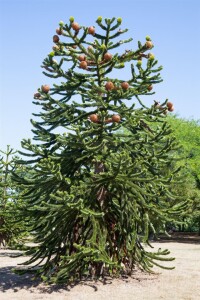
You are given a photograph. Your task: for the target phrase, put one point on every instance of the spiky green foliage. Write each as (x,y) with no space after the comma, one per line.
(11,232)
(92,196)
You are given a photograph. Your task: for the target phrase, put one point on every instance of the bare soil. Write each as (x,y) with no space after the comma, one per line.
(182,283)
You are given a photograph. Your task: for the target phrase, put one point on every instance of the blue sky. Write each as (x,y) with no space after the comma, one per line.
(27,27)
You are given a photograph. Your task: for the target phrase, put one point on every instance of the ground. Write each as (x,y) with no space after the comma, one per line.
(182,283)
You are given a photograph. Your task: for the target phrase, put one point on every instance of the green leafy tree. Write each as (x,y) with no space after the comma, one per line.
(92,197)
(187,133)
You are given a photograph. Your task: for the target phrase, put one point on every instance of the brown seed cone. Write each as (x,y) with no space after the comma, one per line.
(75,26)
(169,105)
(150,87)
(125,85)
(171,109)
(116,118)
(109,86)
(107,56)
(81,57)
(94,118)
(59,31)
(56,38)
(91,30)
(45,88)
(83,65)
(36,95)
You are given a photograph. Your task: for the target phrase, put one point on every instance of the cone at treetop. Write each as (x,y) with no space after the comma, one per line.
(95,193)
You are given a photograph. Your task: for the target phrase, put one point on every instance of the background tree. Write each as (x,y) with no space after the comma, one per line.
(92,197)
(11,232)
(187,157)
(187,133)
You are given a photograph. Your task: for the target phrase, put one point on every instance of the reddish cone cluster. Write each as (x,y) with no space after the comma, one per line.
(107,57)
(76,27)
(110,86)
(95,119)
(44,88)
(170,107)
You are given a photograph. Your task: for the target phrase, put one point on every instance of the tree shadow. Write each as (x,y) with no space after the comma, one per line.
(15,282)
(179,237)
(10,254)
(9,280)
(12,281)
(181,241)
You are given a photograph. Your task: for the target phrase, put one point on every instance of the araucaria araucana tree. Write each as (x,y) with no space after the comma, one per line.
(92,196)
(11,231)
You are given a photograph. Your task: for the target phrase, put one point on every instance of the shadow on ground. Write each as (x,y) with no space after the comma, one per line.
(11,281)
(180,237)
(10,254)
(15,282)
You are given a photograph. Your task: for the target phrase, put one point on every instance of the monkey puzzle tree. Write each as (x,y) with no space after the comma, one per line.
(91,195)
(10,230)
